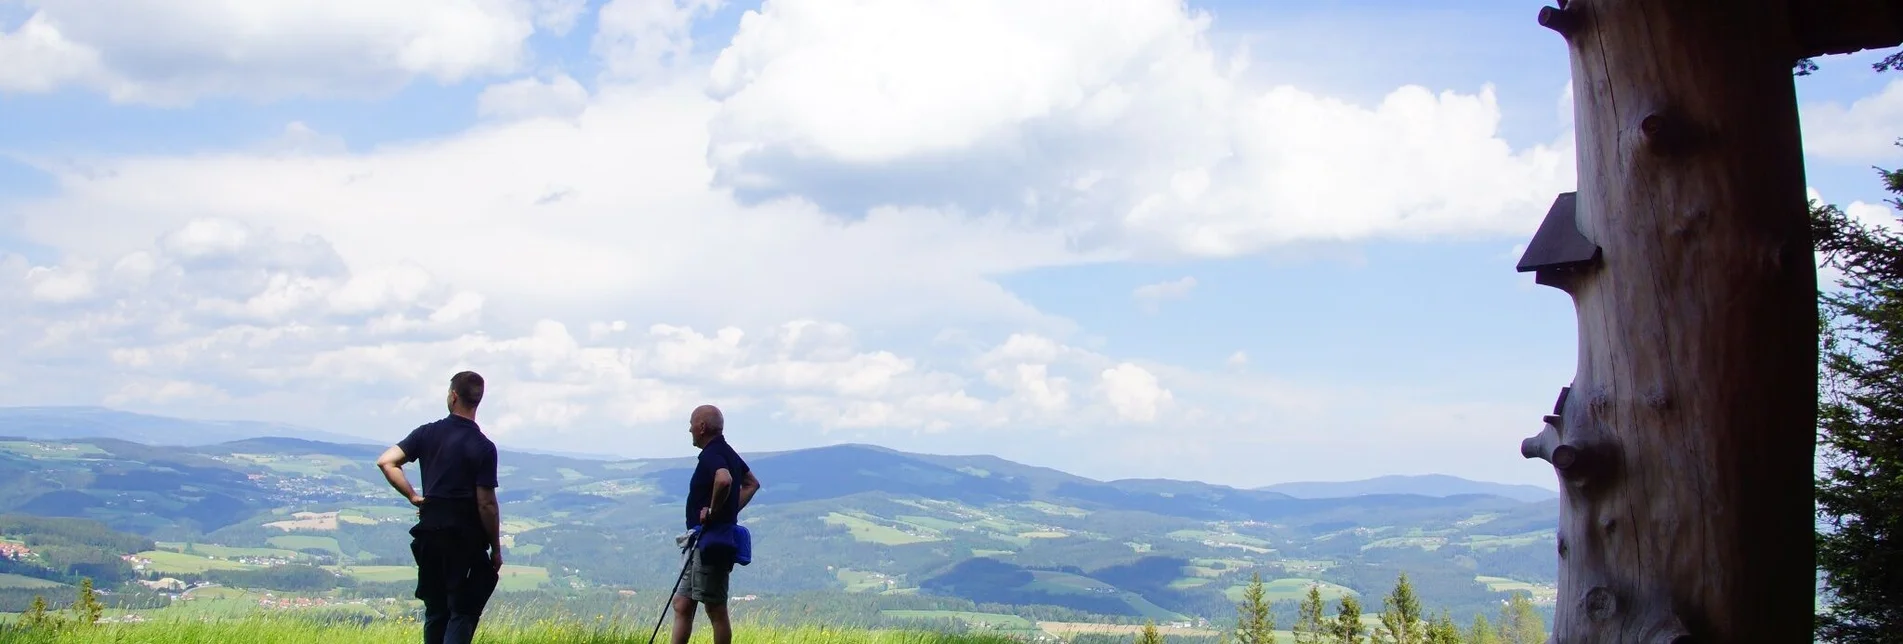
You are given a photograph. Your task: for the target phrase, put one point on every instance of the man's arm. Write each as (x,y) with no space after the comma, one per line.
(747,488)
(391,462)
(491,522)
(488,507)
(723,481)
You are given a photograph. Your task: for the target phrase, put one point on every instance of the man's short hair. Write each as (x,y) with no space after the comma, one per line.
(468,388)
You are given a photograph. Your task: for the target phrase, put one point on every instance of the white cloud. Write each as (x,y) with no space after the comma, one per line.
(148,51)
(642,37)
(1134,392)
(558,97)
(1149,296)
(1238,360)
(1864,132)
(605,271)
(1114,121)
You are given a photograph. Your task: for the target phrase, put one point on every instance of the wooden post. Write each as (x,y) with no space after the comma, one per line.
(1685,443)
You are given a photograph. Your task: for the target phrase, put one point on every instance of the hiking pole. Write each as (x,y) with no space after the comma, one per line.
(669,600)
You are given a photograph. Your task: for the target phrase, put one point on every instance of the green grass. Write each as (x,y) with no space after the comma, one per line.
(21,581)
(290,630)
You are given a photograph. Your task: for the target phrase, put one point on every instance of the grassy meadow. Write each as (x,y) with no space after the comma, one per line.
(272,630)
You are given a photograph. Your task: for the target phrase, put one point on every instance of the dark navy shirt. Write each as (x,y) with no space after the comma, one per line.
(716,455)
(456,459)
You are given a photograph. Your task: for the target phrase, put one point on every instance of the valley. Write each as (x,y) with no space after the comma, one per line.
(852,532)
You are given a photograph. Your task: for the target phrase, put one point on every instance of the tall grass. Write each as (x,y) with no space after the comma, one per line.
(292,630)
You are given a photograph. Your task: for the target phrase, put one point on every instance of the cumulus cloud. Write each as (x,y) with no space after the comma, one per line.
(642,37)
(170,53)
(558,97)
(1116,121)
(762,237)
(1149,296)
(1866,131)
(1134,392)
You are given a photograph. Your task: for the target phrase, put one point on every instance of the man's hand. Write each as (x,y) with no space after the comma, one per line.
(703,515)
(417,500)
(495,557)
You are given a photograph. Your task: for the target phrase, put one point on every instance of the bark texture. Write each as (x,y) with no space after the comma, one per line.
(1687,436)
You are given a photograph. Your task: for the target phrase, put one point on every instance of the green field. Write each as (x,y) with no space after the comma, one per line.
(869,532)
(300,542)
(177,562)
(228,552)
(285,630)
(859,581)
(52,451)
(1489,541)
(1291,589)
(988,620)
(21,581)
(513,577)
(1502,585)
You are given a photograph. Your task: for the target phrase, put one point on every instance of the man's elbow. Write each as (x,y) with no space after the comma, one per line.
(486,497)
(391,458)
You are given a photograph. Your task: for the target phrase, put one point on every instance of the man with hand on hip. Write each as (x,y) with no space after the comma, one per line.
(457,539)
(713,508)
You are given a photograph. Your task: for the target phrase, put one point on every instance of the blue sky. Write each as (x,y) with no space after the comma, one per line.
(1242,242)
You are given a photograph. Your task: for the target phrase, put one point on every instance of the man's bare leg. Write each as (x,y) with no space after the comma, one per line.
(723,630)
(684,619)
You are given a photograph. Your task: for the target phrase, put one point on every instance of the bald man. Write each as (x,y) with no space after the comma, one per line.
(714,509)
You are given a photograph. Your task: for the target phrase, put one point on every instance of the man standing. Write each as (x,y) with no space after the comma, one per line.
(715,510)
(457,539)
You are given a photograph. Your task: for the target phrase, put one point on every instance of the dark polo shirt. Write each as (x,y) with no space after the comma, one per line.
(456,458)
(716,455)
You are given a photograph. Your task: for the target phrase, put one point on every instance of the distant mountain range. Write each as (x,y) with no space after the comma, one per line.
(1424,485)
(65,423)
(62,423)
(854,518)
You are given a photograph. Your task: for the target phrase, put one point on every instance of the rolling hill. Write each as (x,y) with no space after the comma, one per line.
(842,518)
(1424,485)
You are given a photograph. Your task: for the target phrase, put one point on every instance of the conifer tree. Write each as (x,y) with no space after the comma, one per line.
(1401,616)
(1255,624)
(87,609)
(1309,627)
(1150,634)
(1482,632)
(1348,628)
(1860,426)
(1520,623)
(1443,630)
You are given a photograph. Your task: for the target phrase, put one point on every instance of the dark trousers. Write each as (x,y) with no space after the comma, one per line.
(454,580)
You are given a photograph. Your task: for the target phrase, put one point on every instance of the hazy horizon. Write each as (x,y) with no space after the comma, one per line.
(1257,242)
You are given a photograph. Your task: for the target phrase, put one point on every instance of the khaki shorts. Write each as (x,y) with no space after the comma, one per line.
(704,578)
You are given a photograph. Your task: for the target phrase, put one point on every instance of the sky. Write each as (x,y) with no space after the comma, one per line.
(1236,242)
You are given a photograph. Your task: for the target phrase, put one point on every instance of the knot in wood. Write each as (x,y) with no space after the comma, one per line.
(1601,603)
(1666,133)
(1560,19)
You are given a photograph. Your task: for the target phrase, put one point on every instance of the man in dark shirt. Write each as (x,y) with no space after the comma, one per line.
(715,510)
(457,538)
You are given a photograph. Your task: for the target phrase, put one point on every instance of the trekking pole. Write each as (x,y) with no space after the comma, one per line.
(668,602)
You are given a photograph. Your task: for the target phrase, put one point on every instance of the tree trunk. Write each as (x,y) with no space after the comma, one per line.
(1685,445)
